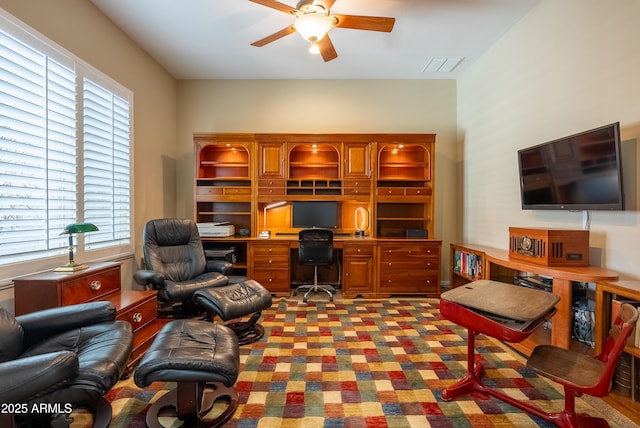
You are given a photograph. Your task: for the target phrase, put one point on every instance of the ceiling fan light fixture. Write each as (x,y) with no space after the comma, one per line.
(314,48)
(313,26)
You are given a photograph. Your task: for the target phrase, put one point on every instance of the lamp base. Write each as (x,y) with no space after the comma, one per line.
(70,268)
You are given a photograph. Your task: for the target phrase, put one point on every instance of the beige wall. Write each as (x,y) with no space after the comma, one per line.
(410,106)
(80,28)
(568,66)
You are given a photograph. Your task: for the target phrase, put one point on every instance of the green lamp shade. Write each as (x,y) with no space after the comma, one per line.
(70,230)
(79,228)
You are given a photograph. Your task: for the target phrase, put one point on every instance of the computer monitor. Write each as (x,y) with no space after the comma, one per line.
(308,214)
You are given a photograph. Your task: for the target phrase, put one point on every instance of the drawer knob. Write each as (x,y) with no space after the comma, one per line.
(137,317)
(95,285)
(358,249)
(418,192)
(270,261)
(270,279)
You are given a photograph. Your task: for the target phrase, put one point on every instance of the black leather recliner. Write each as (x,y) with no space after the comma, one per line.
(176,265)
(54,360)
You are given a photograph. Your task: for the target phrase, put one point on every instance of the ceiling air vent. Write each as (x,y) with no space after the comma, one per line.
(441,64)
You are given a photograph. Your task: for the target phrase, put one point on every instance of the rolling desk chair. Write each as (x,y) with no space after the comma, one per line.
(315,248)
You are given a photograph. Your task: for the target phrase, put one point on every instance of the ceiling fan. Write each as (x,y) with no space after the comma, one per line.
(314,20)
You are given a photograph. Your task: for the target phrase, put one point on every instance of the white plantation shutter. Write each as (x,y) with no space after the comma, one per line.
(106,165)
(37,151)
(65,155)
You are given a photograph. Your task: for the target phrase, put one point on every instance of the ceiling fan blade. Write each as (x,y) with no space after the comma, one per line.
(371,23)
(326,3)
(327,50)
(275,36)
(273,4)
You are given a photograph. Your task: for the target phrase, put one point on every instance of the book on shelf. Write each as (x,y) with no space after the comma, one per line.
(467,263)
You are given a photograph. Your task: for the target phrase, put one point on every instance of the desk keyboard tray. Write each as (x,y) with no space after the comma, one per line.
(504,300)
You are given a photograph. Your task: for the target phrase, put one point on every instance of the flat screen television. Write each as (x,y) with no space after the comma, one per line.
(308,214)
(578,172)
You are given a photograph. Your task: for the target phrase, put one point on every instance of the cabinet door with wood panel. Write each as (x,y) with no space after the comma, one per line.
(357,160)
(359,268)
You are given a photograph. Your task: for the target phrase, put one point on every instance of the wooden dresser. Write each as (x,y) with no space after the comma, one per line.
(101,281)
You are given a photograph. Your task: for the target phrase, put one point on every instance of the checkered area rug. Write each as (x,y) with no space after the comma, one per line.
(362,363)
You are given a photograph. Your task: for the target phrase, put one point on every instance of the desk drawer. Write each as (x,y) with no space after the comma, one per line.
(397,252)
(90,287)
(208,191)
(418,265)
(408,282)
(270,262)
(241,190)
(267,183)
(358,250)
(418,191)
(353,191)
(391,191)
(273,280)
(270,250)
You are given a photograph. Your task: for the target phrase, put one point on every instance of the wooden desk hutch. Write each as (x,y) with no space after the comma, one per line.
(391,175)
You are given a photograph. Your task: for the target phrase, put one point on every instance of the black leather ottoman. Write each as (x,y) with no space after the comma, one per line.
(233,301)
(204,359)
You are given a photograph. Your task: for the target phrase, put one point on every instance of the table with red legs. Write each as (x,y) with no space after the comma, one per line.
(507,312)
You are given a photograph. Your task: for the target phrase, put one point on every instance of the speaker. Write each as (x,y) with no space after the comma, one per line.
(416,233)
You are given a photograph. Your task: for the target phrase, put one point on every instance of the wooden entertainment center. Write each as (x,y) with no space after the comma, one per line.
(389,175)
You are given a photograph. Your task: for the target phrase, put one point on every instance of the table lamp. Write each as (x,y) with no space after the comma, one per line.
(265,233)
(70,229)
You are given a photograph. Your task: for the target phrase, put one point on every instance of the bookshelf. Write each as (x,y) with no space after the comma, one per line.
(466,265)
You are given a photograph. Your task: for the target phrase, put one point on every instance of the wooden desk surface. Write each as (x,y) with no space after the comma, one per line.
(505,300)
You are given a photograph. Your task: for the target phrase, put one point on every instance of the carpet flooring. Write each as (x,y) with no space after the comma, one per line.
(363,363)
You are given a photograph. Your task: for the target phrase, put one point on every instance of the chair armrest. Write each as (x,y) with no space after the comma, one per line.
(221,266)
(24,379)
(149,277)
(49,322)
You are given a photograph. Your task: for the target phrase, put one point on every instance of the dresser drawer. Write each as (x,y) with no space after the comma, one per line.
(90,287)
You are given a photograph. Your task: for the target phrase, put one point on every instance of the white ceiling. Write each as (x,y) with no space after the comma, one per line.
(211,39)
